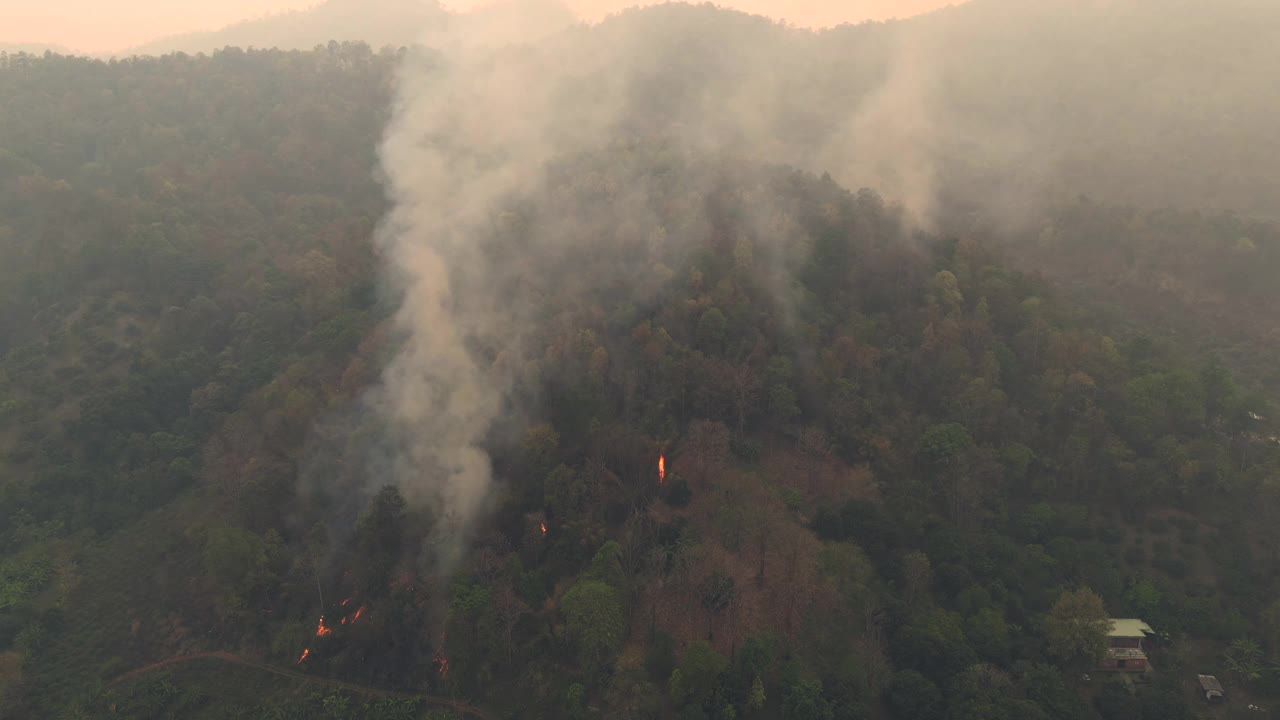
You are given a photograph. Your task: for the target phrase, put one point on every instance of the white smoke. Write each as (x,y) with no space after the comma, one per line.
(478,121)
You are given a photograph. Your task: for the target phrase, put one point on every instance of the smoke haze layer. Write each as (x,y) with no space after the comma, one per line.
(919,110)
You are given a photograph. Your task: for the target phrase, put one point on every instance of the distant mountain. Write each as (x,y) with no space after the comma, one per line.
(376,22)
(992,110)
(34,48)
(512,21)
(1003,106)
(998,106)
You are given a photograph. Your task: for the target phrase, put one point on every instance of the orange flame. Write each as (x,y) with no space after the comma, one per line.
(321,630)
(662,468)
(344,621)
(305,654)
(359,612)
(544,528)
(441,659)
(344,602)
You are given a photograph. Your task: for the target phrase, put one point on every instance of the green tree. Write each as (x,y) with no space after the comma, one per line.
(1143,598)
(804,701)
(239,561)
(945,290)
(933,642)
(713,328)
(1271,628)
(979,693)
(606,565)
(917,574)
(1115,701)
(541,445)
(631,697)
(676,689)
(941,445)
(783,405)
(988,634)
(574,702)
(913,696)
(661,658)
(565,492)
(595,620)
(755,697)
(1076,628)
(700,671)
(1046,687)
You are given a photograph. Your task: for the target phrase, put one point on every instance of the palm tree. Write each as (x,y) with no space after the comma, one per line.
(1244,659)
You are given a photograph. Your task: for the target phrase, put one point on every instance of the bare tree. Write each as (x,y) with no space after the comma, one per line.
(509,608)
(815,451)
(705,450)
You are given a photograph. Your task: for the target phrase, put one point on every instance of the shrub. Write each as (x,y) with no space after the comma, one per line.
(661,658)
(1175,566)
(680,493)
(1135,556)
(745,448)
(1189,533)
(1110,534)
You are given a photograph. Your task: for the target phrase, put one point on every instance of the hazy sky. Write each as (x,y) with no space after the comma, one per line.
(99,26)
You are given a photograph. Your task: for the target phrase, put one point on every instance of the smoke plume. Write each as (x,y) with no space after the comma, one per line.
(491,111)
(484,119)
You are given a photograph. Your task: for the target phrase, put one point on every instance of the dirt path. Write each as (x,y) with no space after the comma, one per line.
(461,708)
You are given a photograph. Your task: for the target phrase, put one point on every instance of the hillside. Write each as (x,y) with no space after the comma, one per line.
(755,443)
(998,105)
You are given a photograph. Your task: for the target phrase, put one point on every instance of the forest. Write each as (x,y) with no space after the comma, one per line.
(767,446)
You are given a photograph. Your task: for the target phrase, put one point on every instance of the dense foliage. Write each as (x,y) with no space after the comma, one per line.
(904,478)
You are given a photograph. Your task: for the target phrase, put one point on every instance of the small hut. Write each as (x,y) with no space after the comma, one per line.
(1127,651)
(1211,688)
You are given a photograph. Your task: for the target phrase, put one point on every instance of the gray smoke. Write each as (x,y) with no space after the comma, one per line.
(972,104)
(479,123)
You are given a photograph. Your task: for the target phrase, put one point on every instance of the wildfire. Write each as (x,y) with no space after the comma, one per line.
(544,528)
(662,468)
(305,654)
(442,660)
(355,616)
(321,630)
(344,602)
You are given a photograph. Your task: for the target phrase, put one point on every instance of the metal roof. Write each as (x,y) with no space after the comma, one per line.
(1129,628)
(1209,682)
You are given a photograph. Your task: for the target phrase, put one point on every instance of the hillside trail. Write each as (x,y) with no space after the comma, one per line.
(459,707)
